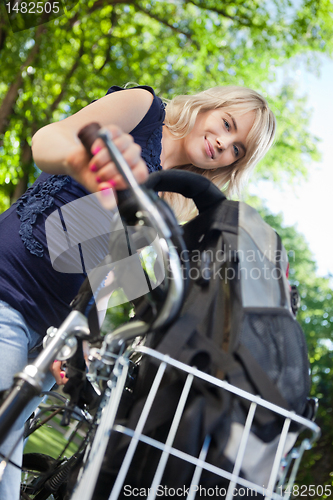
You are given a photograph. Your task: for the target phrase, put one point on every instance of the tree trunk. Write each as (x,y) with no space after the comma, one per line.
(12,93)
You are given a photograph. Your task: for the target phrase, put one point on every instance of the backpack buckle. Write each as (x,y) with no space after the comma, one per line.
(205,271)
(295,299)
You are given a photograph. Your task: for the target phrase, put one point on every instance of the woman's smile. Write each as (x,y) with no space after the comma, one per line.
(209,149)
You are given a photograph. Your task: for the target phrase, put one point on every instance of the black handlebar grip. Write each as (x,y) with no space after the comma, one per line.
(88,136)
(21,393)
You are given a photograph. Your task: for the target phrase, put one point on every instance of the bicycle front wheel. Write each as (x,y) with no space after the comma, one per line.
(37,468)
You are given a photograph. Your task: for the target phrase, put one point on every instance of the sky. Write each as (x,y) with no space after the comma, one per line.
(309,205)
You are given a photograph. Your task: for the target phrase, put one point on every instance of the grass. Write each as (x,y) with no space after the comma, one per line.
(49,438)
(49,441)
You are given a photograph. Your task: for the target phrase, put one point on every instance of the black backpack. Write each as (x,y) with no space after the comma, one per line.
(237,324)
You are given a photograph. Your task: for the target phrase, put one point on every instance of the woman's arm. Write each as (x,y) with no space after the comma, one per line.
(56,148)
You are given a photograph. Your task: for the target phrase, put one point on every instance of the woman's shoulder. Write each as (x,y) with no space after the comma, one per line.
(155,114)
(148,132)
(140,89)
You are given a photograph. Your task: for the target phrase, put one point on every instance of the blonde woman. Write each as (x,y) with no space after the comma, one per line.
(235,122)
(221,133)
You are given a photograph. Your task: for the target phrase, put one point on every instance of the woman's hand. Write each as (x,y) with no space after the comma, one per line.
(58,373)
(100,172)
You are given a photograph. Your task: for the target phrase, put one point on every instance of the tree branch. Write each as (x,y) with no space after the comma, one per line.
(245,21)
(212,9)
(97,5)
(165,22)
(26,160)
(113,19)
(65,82)
(3,27)
(106,60)
(11,96)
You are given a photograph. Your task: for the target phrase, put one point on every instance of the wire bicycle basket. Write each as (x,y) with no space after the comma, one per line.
(254,468)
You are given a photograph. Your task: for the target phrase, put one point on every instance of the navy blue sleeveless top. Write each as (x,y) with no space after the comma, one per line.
(28,282)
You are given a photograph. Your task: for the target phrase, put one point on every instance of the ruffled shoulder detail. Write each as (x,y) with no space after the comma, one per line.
(35,201)
(152,152)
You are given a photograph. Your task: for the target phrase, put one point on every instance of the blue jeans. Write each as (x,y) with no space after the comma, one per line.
(17,340)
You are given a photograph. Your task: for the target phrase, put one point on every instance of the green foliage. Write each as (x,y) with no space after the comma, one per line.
(295,147)
(119,311)
(54,69)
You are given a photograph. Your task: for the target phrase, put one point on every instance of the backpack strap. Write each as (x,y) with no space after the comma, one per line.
(175,340)
(283,298)
(259,378)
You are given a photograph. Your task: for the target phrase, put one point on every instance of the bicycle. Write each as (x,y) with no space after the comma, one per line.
(113,367)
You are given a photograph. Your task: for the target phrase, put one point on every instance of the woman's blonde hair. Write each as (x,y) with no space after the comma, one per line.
(181,113)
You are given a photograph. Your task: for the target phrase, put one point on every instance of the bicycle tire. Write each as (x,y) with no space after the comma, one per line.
(41,464)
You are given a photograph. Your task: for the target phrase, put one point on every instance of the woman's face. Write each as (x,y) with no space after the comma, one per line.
(218,138)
